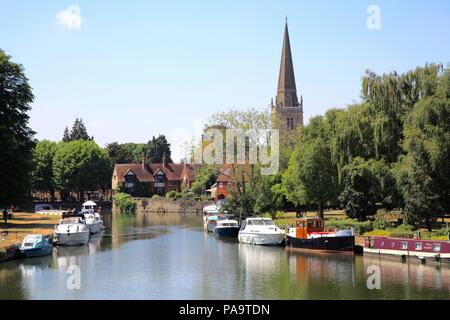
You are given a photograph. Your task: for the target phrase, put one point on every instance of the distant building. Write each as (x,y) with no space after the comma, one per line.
(141,179)
(287,111)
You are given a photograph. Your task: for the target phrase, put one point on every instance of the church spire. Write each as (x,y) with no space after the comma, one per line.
(287,91)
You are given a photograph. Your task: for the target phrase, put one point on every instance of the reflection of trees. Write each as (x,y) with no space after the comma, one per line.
(11,280)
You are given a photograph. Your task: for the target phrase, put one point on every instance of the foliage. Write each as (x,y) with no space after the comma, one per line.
(80,166)
(365,184)
(174,194)
(126,152)
(42,173)
(125,203)
(381,224)
(78,132)
(157,148)
(311,177)
(205,177)
(155,196)
(16,138)
(360,227)
(267,199)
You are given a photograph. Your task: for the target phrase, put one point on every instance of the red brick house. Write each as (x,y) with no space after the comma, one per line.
(141,179)
(226,181)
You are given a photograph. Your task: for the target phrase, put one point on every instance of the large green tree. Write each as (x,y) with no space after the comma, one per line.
(42,173)
(16,138)
(424,170)
(311,177)
(126,152)
(157,148)
(81,166)
(205,177)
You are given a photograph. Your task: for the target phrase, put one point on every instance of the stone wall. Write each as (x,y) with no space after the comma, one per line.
(165,205)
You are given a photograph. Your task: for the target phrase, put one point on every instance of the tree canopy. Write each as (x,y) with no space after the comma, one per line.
(16,138)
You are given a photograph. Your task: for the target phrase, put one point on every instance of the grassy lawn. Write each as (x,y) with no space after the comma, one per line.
(25,223)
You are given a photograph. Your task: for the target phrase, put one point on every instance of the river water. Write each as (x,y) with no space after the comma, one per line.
(151,256)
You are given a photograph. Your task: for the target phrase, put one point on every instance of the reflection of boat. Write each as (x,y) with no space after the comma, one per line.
(226,229)
(411,249)
(260,231)
(309,233)
(92,216)
(72,230)
(35,245)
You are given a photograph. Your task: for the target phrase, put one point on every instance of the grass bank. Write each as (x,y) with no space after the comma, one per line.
(23,223)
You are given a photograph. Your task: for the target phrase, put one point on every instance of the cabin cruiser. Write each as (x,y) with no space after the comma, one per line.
(261,231)
(309,233)
(92,216)
(226,228)
(215,208)
(36,245)
(72,230)
(46,208)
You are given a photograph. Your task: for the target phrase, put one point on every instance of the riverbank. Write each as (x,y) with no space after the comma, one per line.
(21,224)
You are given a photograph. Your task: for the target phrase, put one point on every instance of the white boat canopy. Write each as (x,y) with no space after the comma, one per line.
(89,203)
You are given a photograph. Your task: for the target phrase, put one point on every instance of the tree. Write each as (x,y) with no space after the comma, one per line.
(424,170)
(16,138)
(205,177)
(42,173)
(119,153)
(157,148)
(79,131)
(66,135)
(311,177)
(268,198)
(81,166)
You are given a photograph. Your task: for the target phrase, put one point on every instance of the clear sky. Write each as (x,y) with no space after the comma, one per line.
(134,69)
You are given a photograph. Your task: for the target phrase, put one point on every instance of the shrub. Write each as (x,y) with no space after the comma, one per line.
(125,203)
(174,194)
(381,224)
(155,196)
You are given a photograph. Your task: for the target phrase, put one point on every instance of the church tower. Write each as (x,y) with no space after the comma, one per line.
(287,111)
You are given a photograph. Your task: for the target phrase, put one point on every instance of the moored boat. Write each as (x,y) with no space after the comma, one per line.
(419,250)
(226,228)
(36,245)
(92,216)
(309,233)
(72,230)
(261,231)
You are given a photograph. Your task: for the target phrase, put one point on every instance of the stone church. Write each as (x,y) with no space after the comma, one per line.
(287,111)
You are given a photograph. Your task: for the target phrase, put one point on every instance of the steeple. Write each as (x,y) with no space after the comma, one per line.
(287,91)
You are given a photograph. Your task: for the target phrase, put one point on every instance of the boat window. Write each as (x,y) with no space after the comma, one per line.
(300,224)
(243,225)
(404,245)
(250,222)
(437,247)
(258,222)
(268,222)
(418,245)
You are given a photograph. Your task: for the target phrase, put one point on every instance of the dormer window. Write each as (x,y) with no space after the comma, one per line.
(160,177)
(129,179)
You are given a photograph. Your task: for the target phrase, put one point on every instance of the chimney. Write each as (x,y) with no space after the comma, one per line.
(164,160)
(143,162)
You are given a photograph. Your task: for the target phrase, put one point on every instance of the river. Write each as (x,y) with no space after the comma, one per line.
(151,256)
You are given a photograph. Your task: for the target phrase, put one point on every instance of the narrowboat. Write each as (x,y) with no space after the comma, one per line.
(35,245)
(261,231)
(419,250)
(226,228)
(310,233)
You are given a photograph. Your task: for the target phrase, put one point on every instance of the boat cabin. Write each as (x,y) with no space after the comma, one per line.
(304,226)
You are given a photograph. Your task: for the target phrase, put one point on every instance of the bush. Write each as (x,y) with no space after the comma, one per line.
(174,194)
(155,196)
(403,231)
(125,203)
(381,224)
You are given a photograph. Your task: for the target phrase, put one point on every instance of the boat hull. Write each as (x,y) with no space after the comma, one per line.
(36,252)
(95,227)
(72,239)
(261,239)
(323,243)
(226,232)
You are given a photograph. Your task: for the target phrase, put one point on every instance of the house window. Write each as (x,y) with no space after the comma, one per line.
(221,184)
(129,180)
(229,185)
(160,178)
(418,246)
(437,247)
(404,245)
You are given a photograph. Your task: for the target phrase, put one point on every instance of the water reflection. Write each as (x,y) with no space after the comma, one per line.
(151,256)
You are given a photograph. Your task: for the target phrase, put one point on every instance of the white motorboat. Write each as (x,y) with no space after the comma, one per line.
(214,208)
(72,230)
(262,231)
(92,216)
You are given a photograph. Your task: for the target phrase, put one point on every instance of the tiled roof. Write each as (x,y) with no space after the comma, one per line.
(172,171)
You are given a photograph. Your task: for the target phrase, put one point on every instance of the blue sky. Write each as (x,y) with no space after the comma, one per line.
(133,69)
